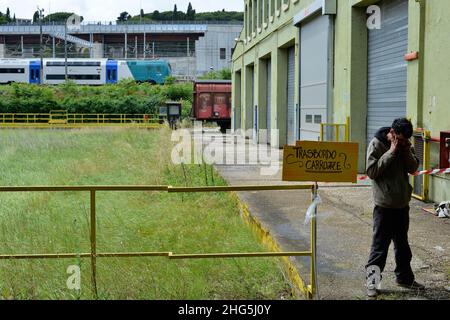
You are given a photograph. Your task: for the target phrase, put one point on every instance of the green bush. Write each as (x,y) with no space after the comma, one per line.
(126,97)
(224,74)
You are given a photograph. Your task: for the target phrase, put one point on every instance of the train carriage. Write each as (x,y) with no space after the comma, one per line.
(212,102)
(83,71)
(18,70)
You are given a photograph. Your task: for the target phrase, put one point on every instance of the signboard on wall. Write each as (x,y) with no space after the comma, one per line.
(321,162)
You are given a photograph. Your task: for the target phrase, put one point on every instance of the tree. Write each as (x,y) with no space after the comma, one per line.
(124,16)
(142,13)
(2,19)
(59,17)
(175,12)
(156,15)
(8,14)
(190,13)
(14,18)
(36,17)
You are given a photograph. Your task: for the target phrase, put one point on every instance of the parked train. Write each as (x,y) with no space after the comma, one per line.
(83,71)
(212,102)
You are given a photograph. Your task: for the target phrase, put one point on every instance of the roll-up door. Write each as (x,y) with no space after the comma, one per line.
(269,99)
(291,122)
(315,65)
(254,109)
(387,69)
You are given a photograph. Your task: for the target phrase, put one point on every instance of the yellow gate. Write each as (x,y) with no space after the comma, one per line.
(309,290)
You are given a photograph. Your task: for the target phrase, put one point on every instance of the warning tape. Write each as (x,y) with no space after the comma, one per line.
(420,173)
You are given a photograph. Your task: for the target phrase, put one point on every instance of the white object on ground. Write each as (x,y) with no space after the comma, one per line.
(443,210)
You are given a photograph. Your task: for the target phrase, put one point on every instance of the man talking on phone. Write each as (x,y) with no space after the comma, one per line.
(390,158)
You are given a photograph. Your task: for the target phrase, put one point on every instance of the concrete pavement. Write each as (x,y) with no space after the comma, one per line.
(344,232)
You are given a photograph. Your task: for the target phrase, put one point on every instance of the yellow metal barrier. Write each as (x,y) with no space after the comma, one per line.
(63,119)
(309,291)
(337,128)
(58,117)
(422,139)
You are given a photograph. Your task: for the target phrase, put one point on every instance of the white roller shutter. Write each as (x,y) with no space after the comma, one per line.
(387,69)
(291,122)
(254,109)
(315,65)
(269,99)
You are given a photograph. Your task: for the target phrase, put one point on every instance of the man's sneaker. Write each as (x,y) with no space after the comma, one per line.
(412,286)
(372,292)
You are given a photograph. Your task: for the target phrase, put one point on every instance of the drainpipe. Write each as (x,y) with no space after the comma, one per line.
(421,83)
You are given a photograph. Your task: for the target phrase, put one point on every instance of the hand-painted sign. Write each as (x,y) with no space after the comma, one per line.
(321,162)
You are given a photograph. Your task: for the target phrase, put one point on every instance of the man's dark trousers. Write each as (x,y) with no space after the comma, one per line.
(392,225)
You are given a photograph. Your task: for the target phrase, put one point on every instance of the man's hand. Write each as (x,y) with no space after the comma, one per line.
(394,146)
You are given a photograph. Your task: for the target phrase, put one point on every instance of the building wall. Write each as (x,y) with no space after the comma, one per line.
(427,84)
(183,66)
(208,47)
(166,41)
(268,38)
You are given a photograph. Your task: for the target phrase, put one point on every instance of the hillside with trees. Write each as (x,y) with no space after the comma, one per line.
(6,17)
(189,15)
(175,15)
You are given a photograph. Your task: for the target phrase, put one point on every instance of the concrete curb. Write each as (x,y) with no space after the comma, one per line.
(271,244)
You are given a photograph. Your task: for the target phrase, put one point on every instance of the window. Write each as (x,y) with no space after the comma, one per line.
(318,119)
(260,13)
(74,64)
(12,70)
(223,53)
(250,18)
(73,77)
(309,118)
(255,16)
(286,5)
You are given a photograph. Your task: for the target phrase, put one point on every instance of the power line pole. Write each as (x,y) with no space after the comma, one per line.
(41,17)
(65,50)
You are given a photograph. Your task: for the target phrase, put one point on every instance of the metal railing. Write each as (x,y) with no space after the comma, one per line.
(336,131)
(107,28)
(130,22)
(309,291)
(62,118)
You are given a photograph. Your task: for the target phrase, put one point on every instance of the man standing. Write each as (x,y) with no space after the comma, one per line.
(390,158)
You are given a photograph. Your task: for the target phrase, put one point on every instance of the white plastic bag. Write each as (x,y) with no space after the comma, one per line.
(443,210)
(312,209)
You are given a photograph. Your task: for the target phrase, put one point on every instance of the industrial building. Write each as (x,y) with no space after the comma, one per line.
(300,63)
(192,48)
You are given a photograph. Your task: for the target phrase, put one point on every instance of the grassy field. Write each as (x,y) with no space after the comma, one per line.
(143,221)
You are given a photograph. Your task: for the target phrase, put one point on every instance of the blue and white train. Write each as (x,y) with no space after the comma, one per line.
(83,71)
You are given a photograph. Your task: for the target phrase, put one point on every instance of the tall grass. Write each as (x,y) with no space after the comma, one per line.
(143,221)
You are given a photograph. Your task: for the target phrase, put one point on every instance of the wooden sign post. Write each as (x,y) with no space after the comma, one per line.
(319,162)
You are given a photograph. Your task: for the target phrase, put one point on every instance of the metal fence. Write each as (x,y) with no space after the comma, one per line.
(335,132)
(421,184)
(65,119)
(309,291)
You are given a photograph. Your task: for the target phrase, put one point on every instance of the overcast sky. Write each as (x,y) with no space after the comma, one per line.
(107,10)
